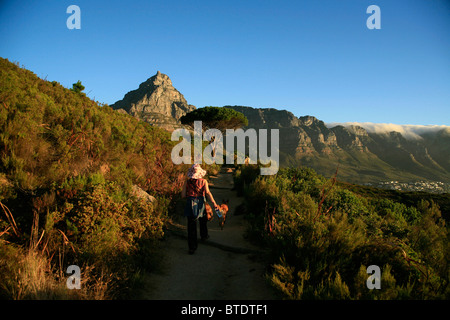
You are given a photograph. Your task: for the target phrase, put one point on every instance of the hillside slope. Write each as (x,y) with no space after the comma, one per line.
(50,134)
(72,177)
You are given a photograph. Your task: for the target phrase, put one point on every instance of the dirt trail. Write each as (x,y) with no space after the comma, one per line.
(226,266)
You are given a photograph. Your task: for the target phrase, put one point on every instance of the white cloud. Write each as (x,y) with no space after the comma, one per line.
(409,131)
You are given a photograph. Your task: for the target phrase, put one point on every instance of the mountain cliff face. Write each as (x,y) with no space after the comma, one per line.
(155,101)
(361,156)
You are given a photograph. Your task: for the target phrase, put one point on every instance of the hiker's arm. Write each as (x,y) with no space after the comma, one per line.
(209,195)
(183,190)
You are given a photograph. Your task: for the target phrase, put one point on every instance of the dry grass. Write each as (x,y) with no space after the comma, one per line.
(27,274)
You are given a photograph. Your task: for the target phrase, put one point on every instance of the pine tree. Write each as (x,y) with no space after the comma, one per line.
(77,87)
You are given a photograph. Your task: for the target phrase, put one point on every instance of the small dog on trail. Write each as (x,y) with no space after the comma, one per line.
(222,214)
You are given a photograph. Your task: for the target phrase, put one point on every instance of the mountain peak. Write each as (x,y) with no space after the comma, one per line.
(308,120)
(155,97)
(159,79)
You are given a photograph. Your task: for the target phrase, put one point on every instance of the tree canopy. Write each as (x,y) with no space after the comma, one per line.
(216,117)
(77,87)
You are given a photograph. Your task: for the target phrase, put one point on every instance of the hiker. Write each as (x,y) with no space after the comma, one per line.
(195,189)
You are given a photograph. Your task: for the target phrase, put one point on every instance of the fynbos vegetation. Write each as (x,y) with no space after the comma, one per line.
(322,237)
(72,176)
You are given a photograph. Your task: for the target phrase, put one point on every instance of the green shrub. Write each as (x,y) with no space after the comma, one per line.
(321,237)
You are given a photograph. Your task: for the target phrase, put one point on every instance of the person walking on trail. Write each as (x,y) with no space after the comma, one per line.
(195,190)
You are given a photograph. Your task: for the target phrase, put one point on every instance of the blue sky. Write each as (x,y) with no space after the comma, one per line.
(310,57)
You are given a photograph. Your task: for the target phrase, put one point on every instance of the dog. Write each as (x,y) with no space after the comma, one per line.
(223,210)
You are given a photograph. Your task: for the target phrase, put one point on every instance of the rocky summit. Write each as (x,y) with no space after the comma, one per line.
(155,101)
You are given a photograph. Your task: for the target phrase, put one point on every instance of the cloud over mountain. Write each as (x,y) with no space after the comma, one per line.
(409,131)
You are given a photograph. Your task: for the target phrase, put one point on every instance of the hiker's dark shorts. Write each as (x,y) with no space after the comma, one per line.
(195,207)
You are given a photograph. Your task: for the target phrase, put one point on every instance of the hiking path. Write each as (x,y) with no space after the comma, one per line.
(224,267)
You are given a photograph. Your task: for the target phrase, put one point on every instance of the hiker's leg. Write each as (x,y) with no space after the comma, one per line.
(192,233)
(203,227)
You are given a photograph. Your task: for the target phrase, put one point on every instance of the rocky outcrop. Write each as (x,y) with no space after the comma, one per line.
(351,137)
(156,101)
(139,193)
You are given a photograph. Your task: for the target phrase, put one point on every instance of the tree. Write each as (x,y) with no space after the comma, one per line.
(217,118)
(77,87)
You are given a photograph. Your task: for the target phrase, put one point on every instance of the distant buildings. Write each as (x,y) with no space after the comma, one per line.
(426,186)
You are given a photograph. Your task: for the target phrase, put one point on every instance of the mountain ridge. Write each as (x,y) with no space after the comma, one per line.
(360,154)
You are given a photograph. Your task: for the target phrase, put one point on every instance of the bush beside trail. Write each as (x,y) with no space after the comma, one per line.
(68,169)
(322,237)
